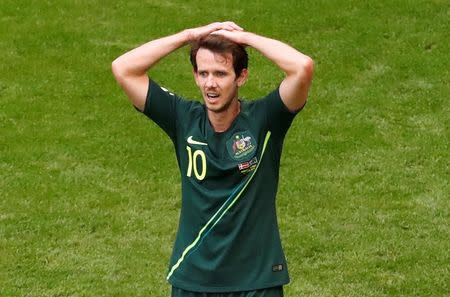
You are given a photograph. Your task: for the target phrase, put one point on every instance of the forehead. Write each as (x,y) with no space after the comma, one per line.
(207,59)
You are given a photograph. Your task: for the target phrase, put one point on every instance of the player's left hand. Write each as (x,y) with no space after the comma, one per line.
(235,36)
(195,34)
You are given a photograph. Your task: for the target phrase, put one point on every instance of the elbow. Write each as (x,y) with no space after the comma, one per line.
(120,71)
(117,69)
(305,71)
(302,68)
(307,67)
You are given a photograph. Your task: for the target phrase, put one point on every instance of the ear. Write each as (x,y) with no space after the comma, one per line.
(242,77)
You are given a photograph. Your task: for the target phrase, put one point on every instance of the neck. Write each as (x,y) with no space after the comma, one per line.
(221,121)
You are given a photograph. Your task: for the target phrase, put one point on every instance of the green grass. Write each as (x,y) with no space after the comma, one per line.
(90,190)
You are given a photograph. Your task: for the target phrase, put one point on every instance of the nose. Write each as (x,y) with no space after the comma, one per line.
(210,82)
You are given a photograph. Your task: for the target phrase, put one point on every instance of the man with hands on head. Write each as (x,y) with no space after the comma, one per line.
(228,152)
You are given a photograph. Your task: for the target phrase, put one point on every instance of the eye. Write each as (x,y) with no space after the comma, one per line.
(202,73)
(221,74)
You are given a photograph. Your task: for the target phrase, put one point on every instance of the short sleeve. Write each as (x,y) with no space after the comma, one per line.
(278,117)
(161,106)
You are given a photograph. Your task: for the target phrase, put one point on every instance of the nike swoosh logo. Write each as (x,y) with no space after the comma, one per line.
(192,141)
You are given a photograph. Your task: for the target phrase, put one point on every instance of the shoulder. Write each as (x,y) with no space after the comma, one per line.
(272,111)
(275,103)
(192,108)
(163,95)
(269,101)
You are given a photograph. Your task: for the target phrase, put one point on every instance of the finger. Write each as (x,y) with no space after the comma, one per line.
(228,27)
(230,35)
(220,26)
(206,30)
(219,32)
(226,32)
(234,26)
(214,26)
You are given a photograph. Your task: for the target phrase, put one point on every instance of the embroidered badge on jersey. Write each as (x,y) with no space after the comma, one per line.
(241,145)
(248,166)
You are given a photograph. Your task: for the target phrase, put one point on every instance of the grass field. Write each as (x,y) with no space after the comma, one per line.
(90,189)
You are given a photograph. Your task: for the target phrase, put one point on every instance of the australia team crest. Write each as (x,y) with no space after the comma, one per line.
(241,145)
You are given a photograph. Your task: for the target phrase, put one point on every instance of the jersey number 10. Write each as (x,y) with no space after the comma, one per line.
(193,163)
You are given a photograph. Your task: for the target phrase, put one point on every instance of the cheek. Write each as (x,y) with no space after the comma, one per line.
(229,84)
(198,81)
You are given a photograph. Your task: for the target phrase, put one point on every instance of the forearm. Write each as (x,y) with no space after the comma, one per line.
(288,59)
(130,69)
(139,60)
(298,67)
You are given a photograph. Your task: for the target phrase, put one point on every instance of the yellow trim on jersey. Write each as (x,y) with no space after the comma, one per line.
(199,236)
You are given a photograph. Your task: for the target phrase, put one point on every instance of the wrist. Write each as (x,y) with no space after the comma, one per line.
(187,36)
(247,38)
(181,38)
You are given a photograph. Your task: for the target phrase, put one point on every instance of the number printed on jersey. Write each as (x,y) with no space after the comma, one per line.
(194,158)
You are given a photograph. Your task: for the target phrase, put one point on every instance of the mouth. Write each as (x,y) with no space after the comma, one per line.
(212,96)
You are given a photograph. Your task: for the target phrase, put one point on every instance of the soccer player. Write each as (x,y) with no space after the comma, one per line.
(228,152)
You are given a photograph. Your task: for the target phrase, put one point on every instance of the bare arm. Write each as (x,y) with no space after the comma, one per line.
(297,66)
(130,69)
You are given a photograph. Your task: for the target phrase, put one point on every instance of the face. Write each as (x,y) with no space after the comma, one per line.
(217,80)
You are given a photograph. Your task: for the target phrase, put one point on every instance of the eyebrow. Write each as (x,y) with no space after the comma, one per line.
(213,71)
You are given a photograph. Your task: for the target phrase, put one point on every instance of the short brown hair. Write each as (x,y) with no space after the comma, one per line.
(221,45)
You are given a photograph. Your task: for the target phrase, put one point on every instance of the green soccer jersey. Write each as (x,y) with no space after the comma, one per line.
(228,238)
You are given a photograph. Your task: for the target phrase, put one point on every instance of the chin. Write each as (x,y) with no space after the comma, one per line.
(217,107)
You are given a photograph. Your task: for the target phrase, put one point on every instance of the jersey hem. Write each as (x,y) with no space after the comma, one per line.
(227,289)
